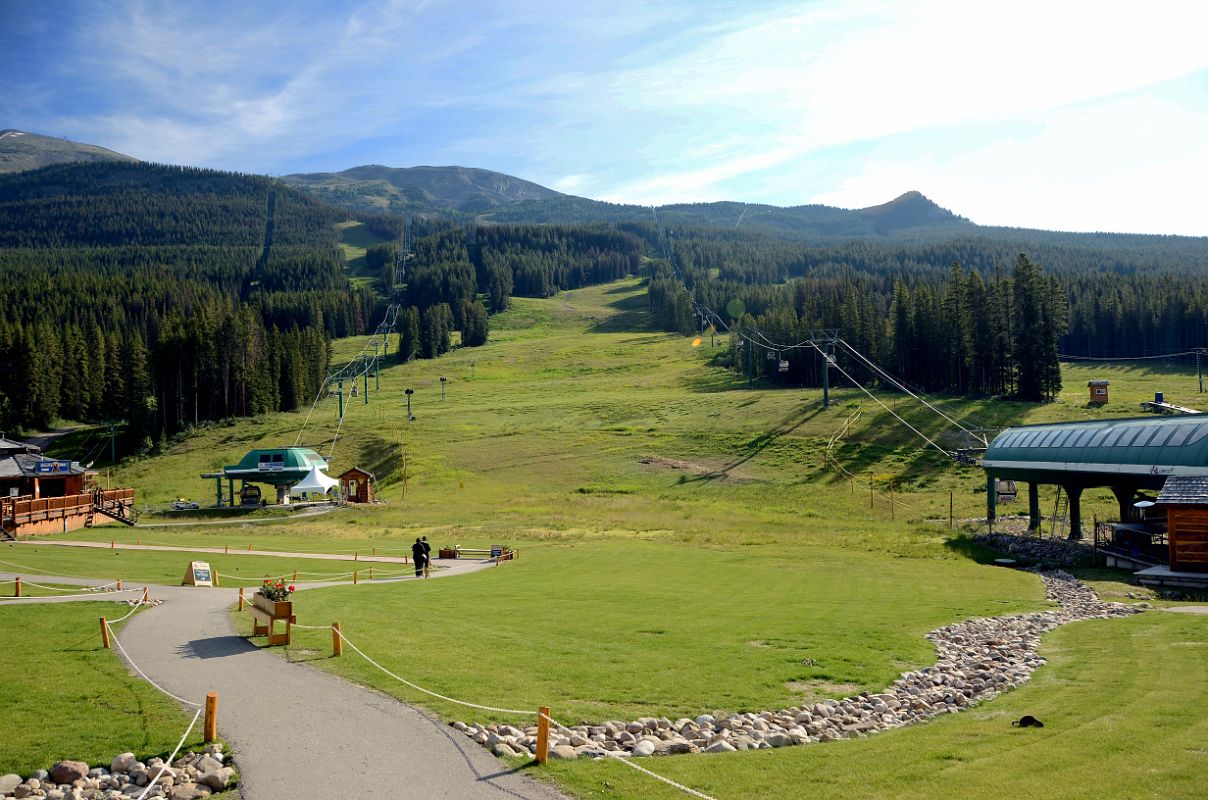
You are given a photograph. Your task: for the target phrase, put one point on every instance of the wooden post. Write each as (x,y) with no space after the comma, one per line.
(337,644)
(112,544)
(211,728)
(242,601)
(217,582)
(146,595)
(119,584)
(104,633)
(226,549)
(18,590)
(950,509)
(375,552)
(249,547)
(870,493)
(139,541)
(542,734)
(371,573)
(356,556)
(354,578)
(295,576)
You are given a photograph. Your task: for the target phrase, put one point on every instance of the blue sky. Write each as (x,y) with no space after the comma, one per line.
(1059,115)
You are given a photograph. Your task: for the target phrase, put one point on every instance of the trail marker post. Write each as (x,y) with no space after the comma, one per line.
(542,734)
(211,724)
(337,643)
(18,589)
(104,633)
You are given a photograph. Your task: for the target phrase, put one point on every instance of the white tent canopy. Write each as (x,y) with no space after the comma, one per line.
(314,482)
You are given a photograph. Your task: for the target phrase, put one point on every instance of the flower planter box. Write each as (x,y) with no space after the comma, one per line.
(447,552)
(265,613)
(278,609)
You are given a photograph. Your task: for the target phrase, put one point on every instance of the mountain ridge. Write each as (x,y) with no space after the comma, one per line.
(21,150)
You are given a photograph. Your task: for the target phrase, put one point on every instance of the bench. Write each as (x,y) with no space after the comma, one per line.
(263,621)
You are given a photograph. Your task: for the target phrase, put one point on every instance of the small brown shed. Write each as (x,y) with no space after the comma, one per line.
(1098,392)
(356,486)
(1185,500)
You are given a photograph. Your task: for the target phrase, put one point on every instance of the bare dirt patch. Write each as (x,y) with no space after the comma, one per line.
(812,691)
(717,471)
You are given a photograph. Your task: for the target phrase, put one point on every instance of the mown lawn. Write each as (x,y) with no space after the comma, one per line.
(1122,703)
(607,629)
(64,696)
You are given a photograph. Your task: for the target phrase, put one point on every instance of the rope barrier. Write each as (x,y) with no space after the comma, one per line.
(36,571)
(163,768)
(523,712)
(93,595)
(137,606)
(72,589)
(629,763)
(144,675)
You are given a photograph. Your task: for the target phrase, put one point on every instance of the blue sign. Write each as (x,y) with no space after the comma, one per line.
(52,467)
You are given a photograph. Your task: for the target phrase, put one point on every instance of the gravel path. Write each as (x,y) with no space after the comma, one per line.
(299,732)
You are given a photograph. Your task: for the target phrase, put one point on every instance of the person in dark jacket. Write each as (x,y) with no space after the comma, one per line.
(427,555)
(420,556)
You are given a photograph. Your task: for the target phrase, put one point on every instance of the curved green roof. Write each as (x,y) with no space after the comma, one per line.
(280,465)
(1131,446)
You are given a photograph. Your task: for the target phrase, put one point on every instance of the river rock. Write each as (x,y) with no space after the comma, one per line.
(68,771)
(9,782)
(645,747)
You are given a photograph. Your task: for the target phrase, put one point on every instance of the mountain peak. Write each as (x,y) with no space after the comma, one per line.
(909,210)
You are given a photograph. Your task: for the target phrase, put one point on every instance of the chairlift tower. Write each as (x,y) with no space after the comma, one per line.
(824,341)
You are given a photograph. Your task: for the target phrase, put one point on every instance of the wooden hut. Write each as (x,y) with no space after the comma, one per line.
(356,486)
(1185,500)
(1098,392)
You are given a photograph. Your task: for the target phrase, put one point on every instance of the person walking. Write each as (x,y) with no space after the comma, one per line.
(419,557)
(427,556)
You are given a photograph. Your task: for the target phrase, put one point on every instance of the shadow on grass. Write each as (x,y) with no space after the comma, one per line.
(757,445)
(964,546)
(633,315)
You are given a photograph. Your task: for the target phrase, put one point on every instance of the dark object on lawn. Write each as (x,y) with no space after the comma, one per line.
(1028,721)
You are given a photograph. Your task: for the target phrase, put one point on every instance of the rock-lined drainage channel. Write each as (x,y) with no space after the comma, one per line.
(978,660)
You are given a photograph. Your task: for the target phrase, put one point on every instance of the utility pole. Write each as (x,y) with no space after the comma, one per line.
(364,363)
(341,396)
(1199,370)
(409,392)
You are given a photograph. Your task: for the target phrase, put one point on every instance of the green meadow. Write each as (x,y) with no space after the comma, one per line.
(689,544)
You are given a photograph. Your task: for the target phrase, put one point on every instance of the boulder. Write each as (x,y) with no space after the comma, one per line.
(644,748)
(563,752)
(68,771)
(122,763)
(721,746)
(9,782)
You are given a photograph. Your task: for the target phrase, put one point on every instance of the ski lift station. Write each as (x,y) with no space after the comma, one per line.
(281,467)
(1131,457)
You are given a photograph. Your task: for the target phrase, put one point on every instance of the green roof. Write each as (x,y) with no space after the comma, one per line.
(281,465)
(1149,446)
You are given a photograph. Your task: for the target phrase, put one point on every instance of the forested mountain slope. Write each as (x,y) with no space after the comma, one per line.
(461,190)
(164,295)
